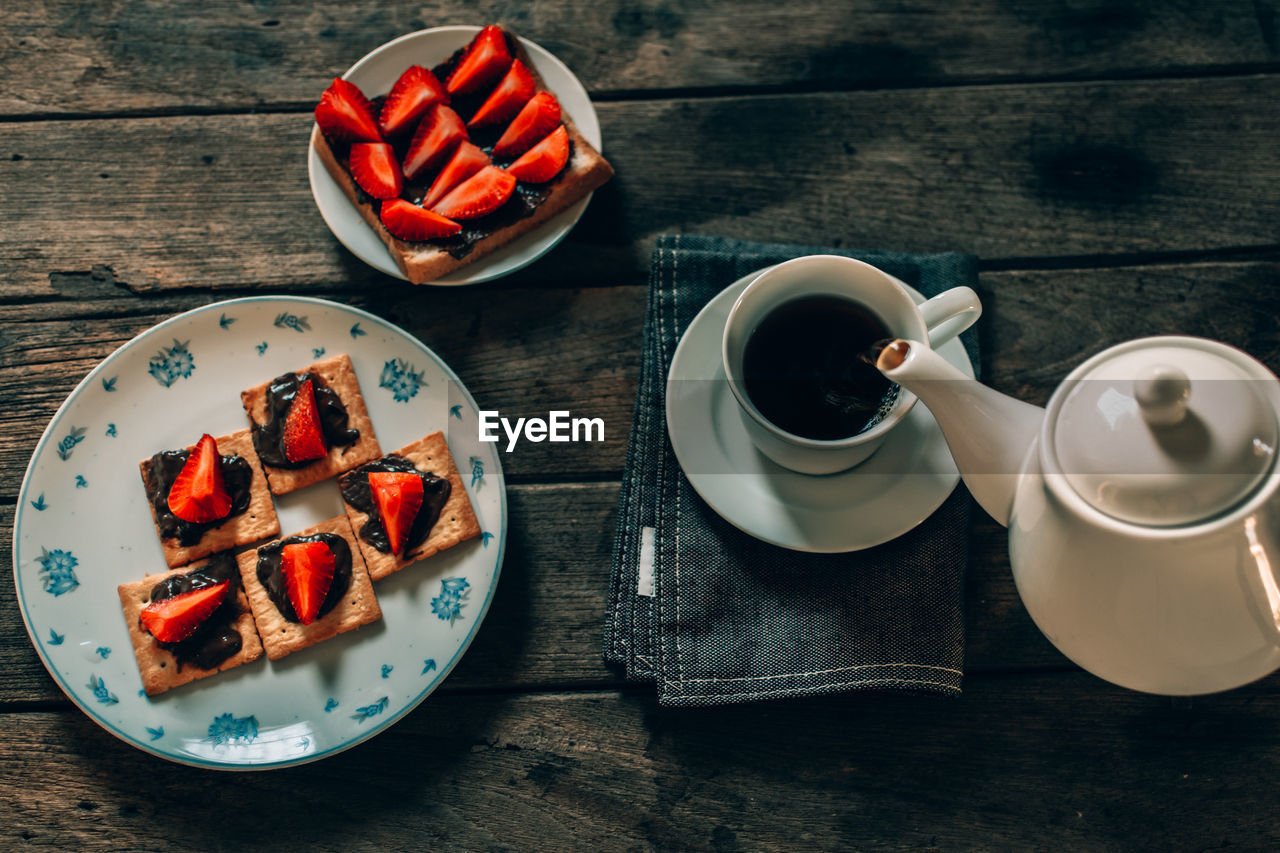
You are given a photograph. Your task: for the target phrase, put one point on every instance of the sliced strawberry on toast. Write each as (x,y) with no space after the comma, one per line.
(375,170)
(512,92)
(479,195)
(345,114)
(172,620)
(303,434)
(308,574)
(543,161)
(410,98)
(487,58)
(398,496)
(199,494)
(408,221)
(467,159)
(534,121)
(438,133)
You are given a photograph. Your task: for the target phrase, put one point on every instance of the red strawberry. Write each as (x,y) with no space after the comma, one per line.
(484,192)
(345,114)
(198,493)
(543,161)
(512,92)
(538,118)
(466,161)
(303,435)
(172,620)
(487,58)
(374,166)
(409,222)
(308,574)
(399,497)
(437,134)
(411,96)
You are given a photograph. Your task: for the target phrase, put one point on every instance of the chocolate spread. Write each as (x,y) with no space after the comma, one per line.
(268,438)
(271,574)
(217,638)
(356,491)
(165,468)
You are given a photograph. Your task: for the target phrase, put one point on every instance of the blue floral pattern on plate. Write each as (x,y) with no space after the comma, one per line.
(366,711)
(292,321)
(228,728)
(68,444)
(58,571)
(172,363)
(448,604)
(400,377)
(100,691)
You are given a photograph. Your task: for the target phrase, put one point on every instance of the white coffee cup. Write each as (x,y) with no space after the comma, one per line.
(937,320)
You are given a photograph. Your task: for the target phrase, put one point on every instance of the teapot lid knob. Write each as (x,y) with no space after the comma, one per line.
(1162,391)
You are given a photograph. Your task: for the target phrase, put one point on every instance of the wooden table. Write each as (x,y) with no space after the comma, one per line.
(1114,165)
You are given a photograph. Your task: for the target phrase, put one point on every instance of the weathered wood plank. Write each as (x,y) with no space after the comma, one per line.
(503,358)
(58,56)
(1002,171)
(1057,762)
(583,354)
(546,621)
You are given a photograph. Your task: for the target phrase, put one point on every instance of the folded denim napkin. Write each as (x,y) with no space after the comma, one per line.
(715,616)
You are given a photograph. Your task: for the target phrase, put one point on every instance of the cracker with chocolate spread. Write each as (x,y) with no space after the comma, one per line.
(349,439)
(349,602)
(442,523)
(228,641)
(253,515)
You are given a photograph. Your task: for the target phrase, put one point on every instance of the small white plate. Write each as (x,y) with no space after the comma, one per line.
(900,486)
(82,527)
(375,74)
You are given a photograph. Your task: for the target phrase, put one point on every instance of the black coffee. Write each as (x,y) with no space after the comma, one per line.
(804,369)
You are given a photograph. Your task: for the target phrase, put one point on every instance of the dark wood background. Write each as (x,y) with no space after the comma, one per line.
(1114,164)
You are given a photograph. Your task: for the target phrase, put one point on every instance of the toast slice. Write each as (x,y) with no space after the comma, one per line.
(422,262)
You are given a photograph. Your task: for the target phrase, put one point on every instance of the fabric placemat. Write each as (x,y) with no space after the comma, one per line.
(715,616)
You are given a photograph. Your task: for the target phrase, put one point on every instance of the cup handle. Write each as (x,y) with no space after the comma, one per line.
(950,313)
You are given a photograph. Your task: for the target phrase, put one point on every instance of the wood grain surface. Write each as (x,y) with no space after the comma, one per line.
(1114,166)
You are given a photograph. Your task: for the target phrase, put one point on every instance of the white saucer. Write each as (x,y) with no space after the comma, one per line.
(900,486)
(375,74)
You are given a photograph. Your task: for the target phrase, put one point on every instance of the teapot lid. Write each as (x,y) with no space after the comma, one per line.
(1166,431)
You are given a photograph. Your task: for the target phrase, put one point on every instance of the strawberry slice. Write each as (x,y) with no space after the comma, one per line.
(512,93)
(308,574)
(303,435)
(172,620)
(482,193)
(409,222)
(198,493)
(398,496)
(487,58)
(466,161)
(439,131)
(538,118)
(411,96)
(543,161)
(345,114)
(374,166)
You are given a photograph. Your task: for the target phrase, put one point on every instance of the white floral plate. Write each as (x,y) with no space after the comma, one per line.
(83,526)
(375,74)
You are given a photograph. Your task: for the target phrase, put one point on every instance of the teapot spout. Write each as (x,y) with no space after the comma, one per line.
(988,433)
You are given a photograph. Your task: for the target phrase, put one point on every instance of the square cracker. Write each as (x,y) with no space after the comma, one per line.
(257,522)
(457,522)
(339,374)
(280,636)
(158,666)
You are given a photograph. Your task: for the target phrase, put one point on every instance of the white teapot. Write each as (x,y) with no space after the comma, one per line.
(1144,524)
